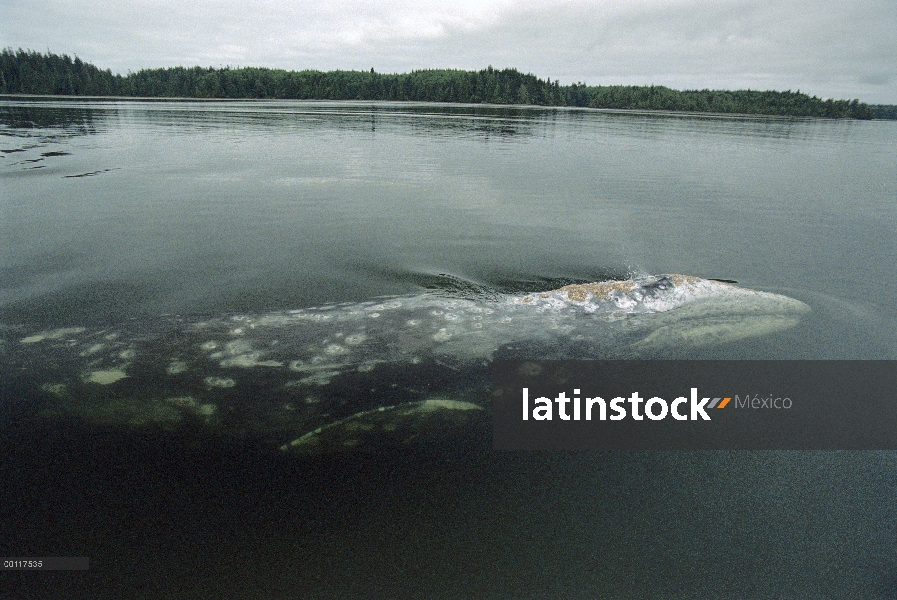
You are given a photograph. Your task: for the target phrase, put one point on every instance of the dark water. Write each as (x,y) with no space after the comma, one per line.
(117,210)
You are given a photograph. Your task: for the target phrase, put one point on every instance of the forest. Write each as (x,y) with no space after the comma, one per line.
(30,72)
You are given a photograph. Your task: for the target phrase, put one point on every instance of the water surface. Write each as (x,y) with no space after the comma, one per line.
(120,210)
(114,210)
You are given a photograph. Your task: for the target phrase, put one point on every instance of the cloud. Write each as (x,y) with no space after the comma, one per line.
(833,50)
(828,48)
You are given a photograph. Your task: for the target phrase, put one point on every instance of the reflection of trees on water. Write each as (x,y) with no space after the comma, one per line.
(23,119)
(61,119)
(186,117)
(475,121)
(31,130)
(658,125)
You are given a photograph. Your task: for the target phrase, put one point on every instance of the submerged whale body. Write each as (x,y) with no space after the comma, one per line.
(341,376)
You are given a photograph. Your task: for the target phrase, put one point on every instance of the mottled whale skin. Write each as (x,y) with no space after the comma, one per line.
(338,376)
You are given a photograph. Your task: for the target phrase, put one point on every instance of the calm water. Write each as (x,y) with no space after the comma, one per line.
(117,210)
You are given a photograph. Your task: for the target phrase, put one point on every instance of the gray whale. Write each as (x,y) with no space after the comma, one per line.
(339,376)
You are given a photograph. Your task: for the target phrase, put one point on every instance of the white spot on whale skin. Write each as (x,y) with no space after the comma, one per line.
(176,367)
(335,350)
(315,365)
(52,335)
(128,354)
(221,382)
(269,363)
(442,335)
(238,347)
(188,403)
(57,389)
(436,403)
(93,349)
(320,378)
(385,306)
(105,377)
(355,339)
(246,361)
(209,345)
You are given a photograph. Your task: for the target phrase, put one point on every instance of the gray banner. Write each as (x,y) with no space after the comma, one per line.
(695,405)
(44,563)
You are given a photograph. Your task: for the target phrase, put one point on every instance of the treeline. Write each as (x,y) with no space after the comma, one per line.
(741,101)
(494,86)
(24,72)
(883,111)
(28,72)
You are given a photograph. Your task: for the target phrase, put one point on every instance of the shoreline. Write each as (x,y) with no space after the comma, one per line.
(630,111)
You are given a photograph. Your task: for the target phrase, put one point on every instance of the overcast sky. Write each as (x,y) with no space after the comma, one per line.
(829,48)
